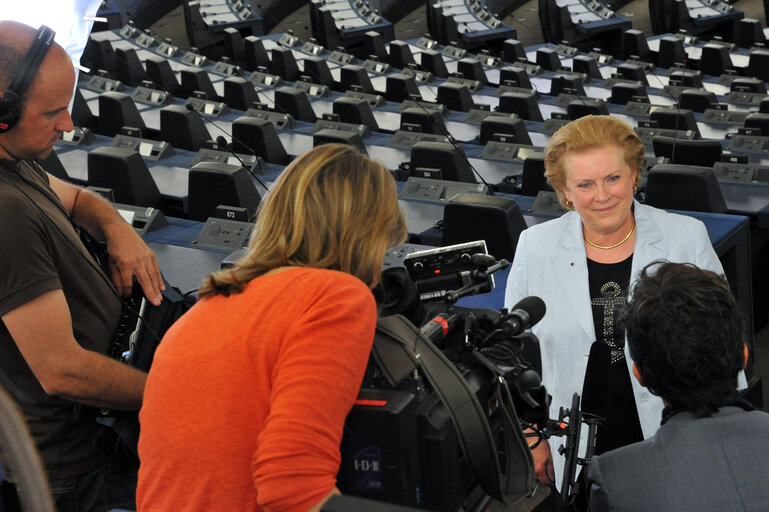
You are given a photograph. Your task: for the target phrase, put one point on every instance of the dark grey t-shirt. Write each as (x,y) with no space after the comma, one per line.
(40,251)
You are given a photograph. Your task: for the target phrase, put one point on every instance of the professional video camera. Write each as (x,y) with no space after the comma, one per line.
(439,419)
(438,411)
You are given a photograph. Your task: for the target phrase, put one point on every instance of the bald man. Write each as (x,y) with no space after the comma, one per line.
(59,310)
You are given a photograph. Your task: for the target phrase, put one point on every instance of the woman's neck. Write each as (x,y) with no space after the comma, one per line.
(610,247)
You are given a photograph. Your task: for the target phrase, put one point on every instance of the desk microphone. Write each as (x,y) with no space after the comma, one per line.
(418,100)
(191,108)
(222,143)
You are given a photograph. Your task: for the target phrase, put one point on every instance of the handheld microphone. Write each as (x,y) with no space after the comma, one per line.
(222,143)
(526,313)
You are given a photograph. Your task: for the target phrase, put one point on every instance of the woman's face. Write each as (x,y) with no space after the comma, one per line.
(600,184)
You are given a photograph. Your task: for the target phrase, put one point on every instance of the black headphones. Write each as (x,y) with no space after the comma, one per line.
(10,102)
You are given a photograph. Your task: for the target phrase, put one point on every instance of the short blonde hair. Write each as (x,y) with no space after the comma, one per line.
(332,208)
(586,133)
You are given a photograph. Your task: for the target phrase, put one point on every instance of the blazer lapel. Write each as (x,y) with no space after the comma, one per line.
(650,245)
(569,263)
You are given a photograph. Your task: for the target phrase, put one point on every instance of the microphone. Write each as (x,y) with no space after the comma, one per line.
(527,312)
(418,100)
(191,108)
(222,143)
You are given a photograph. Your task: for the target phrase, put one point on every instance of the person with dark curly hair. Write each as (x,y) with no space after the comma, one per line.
(685,334)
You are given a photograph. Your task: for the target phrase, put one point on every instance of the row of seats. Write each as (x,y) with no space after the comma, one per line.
(452,94)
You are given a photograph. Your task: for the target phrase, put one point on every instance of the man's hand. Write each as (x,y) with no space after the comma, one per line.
(42,330)
(543,463)
(130,256)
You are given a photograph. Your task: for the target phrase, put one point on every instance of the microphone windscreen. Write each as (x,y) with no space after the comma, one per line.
(596,387)
(534,306)
(221,142)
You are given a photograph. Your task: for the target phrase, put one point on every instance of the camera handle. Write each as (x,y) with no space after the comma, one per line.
(572,429)
(479,277)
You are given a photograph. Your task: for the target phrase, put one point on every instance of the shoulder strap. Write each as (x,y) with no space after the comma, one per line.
(399,348)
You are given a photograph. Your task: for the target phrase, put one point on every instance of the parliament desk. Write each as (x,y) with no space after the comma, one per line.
(185,264)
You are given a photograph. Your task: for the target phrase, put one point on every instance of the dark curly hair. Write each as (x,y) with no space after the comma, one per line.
(685,333)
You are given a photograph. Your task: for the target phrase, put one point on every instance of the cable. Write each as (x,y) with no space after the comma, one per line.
(222,142)
(451,140)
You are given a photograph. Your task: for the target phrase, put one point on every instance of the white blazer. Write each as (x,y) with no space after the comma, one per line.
(550,263)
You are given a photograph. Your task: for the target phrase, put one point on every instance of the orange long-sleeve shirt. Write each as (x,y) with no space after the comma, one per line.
(247,396)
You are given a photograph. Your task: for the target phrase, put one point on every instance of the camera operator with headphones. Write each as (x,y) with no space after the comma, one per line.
(59,309)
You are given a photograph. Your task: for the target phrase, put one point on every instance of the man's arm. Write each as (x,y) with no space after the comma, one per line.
(42,330)
(600,501)
(129,255)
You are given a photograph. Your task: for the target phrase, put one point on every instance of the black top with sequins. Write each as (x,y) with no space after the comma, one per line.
(608,289)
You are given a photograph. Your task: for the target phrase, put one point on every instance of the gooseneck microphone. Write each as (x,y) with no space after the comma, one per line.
(527,312)
(222,143)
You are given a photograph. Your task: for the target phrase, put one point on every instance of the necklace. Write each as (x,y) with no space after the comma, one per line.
(632,228)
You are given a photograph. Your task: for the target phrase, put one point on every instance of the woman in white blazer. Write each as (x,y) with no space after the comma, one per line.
(582,264)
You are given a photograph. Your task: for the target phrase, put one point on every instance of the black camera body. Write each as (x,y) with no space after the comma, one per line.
(401,444)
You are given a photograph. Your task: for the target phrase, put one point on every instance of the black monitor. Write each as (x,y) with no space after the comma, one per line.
(684,187)
(123,170)
(254,136)
(213,183)
(330,136)
(497,220)
(439,155)
(514,128)
(688,152)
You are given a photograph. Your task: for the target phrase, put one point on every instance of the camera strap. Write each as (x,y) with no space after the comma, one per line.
(399,348)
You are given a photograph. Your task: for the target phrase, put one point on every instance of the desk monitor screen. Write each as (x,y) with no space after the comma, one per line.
(145,148)
(127,215)
(523,153)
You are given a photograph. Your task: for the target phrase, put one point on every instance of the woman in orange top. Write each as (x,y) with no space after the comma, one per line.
(246,400)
